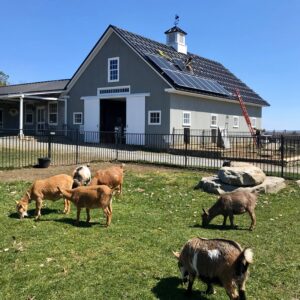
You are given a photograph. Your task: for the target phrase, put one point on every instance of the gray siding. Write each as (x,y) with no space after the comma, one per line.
(202,109)
(133,71)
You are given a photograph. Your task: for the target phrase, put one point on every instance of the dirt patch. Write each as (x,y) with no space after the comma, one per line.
(31,174)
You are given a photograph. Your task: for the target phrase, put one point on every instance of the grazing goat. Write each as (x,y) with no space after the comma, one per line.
(230,204)
(82,176)
(112,177)
(43,189)
(97,196)
(215,261)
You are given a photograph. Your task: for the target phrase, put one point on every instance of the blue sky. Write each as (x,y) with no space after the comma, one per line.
(258,40)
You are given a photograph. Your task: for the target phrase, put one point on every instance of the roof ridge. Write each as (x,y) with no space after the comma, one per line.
(166,46)
(36,82)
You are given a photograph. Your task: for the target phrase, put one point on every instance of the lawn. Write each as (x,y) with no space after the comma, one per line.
(132,259)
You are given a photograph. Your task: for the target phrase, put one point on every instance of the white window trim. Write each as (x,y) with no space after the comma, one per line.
(26,112)
(52,113)
(253,122)
(213,125)
(108,69)
(149,119)
(190,118)
(76,123)
(238,122)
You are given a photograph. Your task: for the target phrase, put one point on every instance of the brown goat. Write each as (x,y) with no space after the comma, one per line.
(43,189)
(112,177)
(215,261)
(231,204)
(89,197)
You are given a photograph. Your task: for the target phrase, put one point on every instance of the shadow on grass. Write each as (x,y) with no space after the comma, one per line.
(219,227)
(82,224)
(45,211)
(171,288)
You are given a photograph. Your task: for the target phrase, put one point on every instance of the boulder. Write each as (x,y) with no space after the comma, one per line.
(298,182)
(241,174)
(214,185)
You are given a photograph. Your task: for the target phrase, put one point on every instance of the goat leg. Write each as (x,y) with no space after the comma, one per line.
(190,285)
(253,219)
(38,207)
(210,289)
(231,221)
(225,219)
(67,206)
(88,216)
(78,216)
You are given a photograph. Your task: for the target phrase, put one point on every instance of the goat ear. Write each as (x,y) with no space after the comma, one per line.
(176,254)
(17,202)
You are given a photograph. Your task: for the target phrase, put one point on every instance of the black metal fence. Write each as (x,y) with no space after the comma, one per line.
(277,155)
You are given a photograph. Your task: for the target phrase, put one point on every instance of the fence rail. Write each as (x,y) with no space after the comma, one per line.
(276,155)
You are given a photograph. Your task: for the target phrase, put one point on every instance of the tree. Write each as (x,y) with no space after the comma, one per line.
(3,78)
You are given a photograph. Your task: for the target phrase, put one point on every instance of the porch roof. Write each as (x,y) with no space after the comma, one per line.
(47,90)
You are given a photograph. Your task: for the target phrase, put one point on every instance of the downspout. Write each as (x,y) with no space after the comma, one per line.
(65,113)
(21,134)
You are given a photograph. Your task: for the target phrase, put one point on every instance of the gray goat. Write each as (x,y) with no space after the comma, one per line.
(231,204)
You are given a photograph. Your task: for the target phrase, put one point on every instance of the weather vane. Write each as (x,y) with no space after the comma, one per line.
(176,20)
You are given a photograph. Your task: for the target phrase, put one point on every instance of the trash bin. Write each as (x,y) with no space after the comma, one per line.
(44,162)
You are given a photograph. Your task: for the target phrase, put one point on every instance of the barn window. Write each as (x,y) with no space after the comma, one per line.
(186,120)
(77,118)
(113,69)
(154,117)
(52,113)
(214,120)
(236,122)
(28,114)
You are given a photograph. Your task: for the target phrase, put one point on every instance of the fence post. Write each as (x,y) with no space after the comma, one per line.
(282,154)
(186,139)
(116,144)
(49,143)
(77,147)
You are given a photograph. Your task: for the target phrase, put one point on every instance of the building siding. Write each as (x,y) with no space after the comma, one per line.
(202,109)
(133,72)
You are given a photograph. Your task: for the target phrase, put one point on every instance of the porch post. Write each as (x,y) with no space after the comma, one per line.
(21,134)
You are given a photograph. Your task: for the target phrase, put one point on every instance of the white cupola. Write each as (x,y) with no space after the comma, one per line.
(176,38)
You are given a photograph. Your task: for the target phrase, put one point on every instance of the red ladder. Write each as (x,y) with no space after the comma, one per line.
(246,116)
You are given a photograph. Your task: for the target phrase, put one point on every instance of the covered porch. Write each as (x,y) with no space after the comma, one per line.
(33,108)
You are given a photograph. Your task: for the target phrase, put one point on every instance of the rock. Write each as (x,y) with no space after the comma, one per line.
(241,174)
(214,185)
(298,182)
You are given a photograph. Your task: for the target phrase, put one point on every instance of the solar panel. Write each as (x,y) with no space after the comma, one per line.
(179,63)
(187,80)
(196,82)
(161,62)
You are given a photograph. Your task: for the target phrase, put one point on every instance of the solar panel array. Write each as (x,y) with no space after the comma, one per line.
(186,80)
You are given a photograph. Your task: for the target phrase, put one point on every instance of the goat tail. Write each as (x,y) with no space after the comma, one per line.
(243,261)
(248,255)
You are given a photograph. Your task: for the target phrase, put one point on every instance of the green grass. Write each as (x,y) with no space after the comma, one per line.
(132,259)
